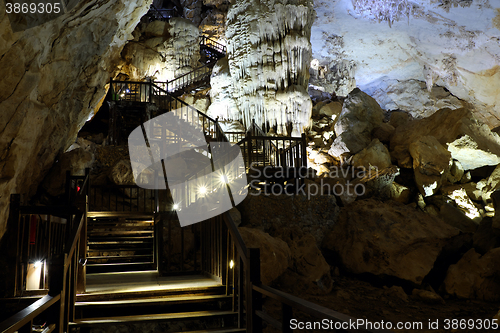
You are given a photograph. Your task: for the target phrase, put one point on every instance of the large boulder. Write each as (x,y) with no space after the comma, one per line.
(275,255)
(475,276)
(313,214)
(332,110)
(121,173)
(492,185)
(388,239)
(431,163)
(360,115)
(469,141)
(307,262)
(375,155)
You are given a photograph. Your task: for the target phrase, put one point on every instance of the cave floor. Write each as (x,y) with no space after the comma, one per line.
(361,299)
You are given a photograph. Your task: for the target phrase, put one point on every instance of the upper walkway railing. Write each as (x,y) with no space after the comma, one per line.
(161,14)
(214,45)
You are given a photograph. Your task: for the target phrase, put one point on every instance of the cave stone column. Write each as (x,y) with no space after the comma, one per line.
(269,55)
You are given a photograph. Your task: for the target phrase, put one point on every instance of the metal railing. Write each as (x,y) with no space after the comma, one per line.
(206,41)
(339,322)
(263,151)
(61,252)
(161,14)
(121,198)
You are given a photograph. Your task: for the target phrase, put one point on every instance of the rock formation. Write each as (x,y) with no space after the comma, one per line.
(451,44)
(269,56)
(385,239)
(163,50)
(53,78)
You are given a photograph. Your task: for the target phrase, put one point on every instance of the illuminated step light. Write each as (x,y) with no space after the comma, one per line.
(231,264)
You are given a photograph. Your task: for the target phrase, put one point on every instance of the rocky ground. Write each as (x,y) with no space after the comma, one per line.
(422,240)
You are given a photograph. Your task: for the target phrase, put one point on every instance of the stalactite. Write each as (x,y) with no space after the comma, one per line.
(269,55)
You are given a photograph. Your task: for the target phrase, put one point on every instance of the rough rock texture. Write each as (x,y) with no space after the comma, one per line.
(275,254)
(269,56)
(314,215)
(121,173)
(75,161)
(475,276)
(310,267)
(375,155)
(469,141)
(431,163)
(413,97)
(453,46)
(360,115)
(388,239)
(53,77)
(164,51)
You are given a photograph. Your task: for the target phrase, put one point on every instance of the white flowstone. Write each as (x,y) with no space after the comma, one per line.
(452,44)
(269,56)
(165,50)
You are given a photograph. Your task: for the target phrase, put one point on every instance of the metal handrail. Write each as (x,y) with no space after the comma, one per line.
(206,41)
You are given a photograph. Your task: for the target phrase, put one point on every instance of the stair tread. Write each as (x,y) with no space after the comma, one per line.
(120,257)
(120,249)
(109,214)
(153,300)
(119,232)
(152,317)
(121,263)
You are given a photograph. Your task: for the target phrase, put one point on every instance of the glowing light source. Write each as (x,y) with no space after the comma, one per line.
(223,179)
(202,190)
(176,206)
(231,264)
(38,263)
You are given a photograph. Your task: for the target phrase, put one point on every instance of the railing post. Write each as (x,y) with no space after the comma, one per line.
(304,151)
(68,187)
(82,250)
(12,243)
(286,317)
(254,298)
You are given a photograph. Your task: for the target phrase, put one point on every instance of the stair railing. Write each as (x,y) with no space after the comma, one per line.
(262,150)
(189,79)
(56,244)
(208,42)
(337,321)
(163,14)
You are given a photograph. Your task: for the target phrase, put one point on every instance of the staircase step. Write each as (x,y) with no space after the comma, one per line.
(135,248)
(115,239)
(119,267)
(153,301)
(118,214)
(120,257)
(152,317)
(128,295)
(155,305)
(96,233)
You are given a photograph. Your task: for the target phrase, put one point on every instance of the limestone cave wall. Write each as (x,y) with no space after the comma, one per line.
(53,77)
